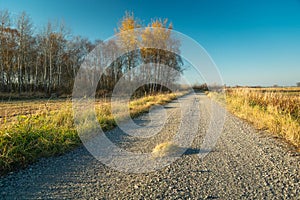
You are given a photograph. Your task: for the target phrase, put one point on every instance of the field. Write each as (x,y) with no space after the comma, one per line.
(30,130)
(276,110)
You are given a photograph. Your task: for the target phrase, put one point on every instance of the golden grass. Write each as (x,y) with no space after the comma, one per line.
(164,149)
(47,131)
(275,110)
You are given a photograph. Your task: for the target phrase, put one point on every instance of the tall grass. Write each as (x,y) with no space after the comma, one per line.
(26,138)
(277,111)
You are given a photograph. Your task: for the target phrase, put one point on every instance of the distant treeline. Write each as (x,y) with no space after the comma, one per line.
(47,62)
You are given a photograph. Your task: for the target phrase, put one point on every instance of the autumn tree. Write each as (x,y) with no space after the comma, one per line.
(153,46)
(129,41)
(164,52)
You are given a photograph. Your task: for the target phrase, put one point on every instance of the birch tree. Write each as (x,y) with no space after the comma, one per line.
(4,24)
(24,28)
(128,41)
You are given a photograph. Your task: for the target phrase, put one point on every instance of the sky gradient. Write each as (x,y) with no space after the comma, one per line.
(252,42)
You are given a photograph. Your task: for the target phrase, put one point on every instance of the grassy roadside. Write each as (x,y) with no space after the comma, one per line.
(276,112)
(27,138)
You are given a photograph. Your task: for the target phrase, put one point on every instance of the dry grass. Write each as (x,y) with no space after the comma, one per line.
(42,131)
(276,110)
(164,149)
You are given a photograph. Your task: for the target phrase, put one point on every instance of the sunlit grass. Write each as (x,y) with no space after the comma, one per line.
(24,138)
(274,110)
(164,149)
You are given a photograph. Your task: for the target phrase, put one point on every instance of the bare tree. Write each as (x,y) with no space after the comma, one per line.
(4,24)
(24,28)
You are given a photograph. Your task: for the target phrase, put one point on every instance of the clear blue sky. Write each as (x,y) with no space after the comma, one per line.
(253,42)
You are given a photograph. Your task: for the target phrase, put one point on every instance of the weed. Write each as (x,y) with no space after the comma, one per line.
(164,149)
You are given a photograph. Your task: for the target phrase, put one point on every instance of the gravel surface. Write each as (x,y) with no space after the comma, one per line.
(245,164)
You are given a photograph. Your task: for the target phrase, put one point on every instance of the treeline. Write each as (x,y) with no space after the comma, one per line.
(38,62)
(48,61)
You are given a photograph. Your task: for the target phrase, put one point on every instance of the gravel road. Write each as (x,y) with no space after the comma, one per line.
(244,164)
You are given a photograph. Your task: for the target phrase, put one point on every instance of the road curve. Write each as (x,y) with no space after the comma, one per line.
(244,164)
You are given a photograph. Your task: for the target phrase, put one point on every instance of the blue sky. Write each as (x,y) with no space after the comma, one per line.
(252,42)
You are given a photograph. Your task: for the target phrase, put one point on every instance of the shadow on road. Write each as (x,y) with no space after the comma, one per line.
(191,151)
